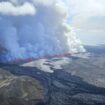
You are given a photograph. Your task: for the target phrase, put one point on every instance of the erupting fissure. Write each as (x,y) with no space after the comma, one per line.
(34,29)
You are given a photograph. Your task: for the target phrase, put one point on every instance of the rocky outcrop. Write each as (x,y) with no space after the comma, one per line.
(19,90)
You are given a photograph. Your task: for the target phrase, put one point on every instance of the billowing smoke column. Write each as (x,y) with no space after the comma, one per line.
(35,28)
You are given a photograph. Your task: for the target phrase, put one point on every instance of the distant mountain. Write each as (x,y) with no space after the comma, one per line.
(98,49)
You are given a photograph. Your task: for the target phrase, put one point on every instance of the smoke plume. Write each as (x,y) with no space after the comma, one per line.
(35,28)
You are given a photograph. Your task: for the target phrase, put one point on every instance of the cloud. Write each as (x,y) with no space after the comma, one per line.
(36,28)
(88,17)
(83,10)
(7,8)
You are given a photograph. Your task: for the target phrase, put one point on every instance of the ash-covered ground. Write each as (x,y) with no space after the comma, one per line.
(74,80)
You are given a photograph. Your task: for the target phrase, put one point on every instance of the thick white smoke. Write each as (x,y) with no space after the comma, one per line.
(35,28)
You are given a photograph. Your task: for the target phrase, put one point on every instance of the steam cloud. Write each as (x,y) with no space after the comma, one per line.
(35,28)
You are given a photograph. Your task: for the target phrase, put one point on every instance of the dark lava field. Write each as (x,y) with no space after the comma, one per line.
(74,80)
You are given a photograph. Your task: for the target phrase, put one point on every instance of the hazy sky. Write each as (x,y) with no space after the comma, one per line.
(88,17)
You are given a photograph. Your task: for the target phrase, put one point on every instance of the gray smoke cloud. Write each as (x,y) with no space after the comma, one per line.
(35,28)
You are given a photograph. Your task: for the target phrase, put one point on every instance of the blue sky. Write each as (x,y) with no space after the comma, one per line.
(88,19)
